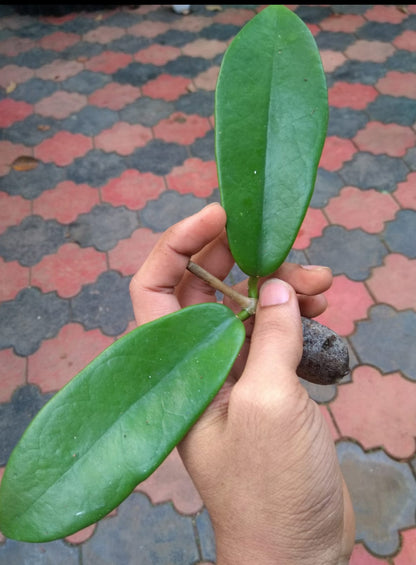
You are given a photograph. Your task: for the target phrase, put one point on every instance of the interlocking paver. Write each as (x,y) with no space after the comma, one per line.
(393,109)
(12,373)
(393,282)
(374,171)
(133,189)
(396,232)
(129,254)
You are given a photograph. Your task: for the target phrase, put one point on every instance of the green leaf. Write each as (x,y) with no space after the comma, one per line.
(271,114)
(115,422)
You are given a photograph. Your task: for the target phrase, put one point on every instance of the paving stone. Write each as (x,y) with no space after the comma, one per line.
(31,184)
(206,536)
(157,157)
(13,209)
(395,234)
(392,14)
(402,60)
(90,121)
(350,95)
(123,138)
(129,44)
(65,202)
(169,209)
(405,193)
(59,359)
(367,422)
(346,23)
(12,374)
(32,130)
(59,70)
(393,109)
(136,74)
(410,159)
(194,176)
(390,139)
(407,555)
(35,58)
(312,226)
(319,393)
(379,31)
(114,96)
(221,32)
(105,304)
(157,534)
(187,66)
(85,82)
(335,41)
(13,111)
(15,416)
(327,185)
(82,49)
(383,494)
(182,128)
(133,189)
(108,62)
(364,72)
(407,40)
(34,90)
(129,254)
(157,54)
(397,83)
(175,38)
(350,252)
(380,172)
(30,318)
(96,168)
(393,282)
(103,227)
(336,152)
(63,148)
(167,87)
(13,277)
(313,14)
(385,340)
(56,552)
(31,240)
(199,102)
(124,19)
(204,147)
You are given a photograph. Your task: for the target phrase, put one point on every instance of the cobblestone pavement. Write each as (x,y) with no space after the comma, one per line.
(107,139)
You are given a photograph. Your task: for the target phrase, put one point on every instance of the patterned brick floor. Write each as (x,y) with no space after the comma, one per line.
(107,139)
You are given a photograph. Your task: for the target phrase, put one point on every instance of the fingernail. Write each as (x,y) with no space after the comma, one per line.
(274,292)
(314,267)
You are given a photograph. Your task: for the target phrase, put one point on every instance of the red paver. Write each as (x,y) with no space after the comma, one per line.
(360,556)
(331,60)
(104,34)
(63,148)
(388,14)
(313,28)
(133,189)
(208,79)
(148,29)
(8,153)
(206,48)
(61,358)
(61,104)
(234,16)
(114,96)
(171,482)
(395,83)
(346,23)
(16,45)
(365,209)
(66,201)
(181,128)
(157,54)
(192,23)
(12,111)
(12,373)
(108,62)
(59,41)
(389,139)
(355,96)
(13,209)
(407,555)
(406,192)
(81,536)
(13,277)
(59,70)
(336,152)
(348,302)
(194,176)
(395,282)
(312,226)
(374,51)
(68,269)
(12,74)
(166,87)
(407,40)
(388,421)
(129,254)
(123,138)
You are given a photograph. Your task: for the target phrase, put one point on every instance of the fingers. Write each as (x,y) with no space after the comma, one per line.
(152,287)
(276,342)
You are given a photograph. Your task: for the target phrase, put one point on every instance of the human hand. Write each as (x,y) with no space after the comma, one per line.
(261,455)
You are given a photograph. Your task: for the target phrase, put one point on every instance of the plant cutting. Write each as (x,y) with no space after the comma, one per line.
(116,421)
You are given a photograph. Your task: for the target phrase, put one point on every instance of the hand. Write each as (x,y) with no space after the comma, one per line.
(261,455)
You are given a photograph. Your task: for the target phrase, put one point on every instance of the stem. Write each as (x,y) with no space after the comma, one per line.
(253,289)
(248,304)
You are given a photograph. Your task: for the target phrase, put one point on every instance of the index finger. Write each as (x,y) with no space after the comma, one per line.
(152,289)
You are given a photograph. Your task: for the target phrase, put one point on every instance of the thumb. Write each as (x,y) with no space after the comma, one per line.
(277,340)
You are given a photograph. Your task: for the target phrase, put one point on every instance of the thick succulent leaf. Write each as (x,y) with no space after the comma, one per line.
(115,422)
(271,114)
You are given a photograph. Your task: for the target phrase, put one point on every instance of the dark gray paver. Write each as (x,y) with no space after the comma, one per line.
(374,171)
(169,209)
(52,553)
